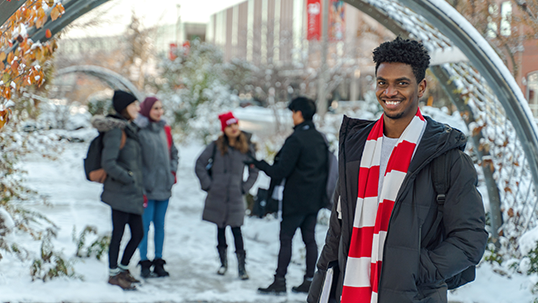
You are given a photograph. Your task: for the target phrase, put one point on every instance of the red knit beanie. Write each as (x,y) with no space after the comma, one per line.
(227,119)
(145,107)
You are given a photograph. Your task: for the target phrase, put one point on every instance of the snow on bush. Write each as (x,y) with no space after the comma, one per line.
(6,222)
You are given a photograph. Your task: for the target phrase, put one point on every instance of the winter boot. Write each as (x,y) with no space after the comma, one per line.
(241,255)
(278,287)
(223,256)
(145,268)
(158,268)
(126,274)
(304,287)
(120,281)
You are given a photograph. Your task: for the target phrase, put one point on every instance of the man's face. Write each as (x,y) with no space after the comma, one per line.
(397,91)
(297,117)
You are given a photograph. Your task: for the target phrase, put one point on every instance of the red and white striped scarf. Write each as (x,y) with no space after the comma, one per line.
(373,211)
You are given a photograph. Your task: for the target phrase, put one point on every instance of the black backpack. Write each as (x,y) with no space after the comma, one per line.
(441,182)
(332,176)
(92,164)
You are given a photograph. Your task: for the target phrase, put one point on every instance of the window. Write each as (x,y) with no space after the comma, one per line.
(492,26)
(532,92)
(506,18)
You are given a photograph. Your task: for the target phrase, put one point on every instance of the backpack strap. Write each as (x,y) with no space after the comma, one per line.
(123,139)
(168,132)
(441,179)
(212,159)
(214,150)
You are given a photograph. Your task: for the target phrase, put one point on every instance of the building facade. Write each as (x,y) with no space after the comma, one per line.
(274,32)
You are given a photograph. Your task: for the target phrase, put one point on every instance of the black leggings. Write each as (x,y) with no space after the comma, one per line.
(119,219)
(238,238)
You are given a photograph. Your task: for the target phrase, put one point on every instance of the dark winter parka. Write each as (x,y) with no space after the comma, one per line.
(159,161)
(224,204)
(302,161)
(414,268)
(123,189)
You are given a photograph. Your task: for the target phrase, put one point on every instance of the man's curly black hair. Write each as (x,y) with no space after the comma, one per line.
(403,51)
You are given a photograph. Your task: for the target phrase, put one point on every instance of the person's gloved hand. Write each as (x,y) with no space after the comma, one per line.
(145,201)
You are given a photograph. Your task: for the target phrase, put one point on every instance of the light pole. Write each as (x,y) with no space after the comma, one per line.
(178,23)
(322,84)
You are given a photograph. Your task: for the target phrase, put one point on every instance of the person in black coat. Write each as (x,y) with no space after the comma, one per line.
(301,165)
(431,241)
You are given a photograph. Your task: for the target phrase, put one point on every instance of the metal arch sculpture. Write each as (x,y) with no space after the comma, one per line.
(8,8)
(497,114)
(73,10)
(113,79)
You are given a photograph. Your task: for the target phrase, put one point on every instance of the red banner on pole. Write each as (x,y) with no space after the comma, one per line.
(337,23)
(313,9)
(172,53)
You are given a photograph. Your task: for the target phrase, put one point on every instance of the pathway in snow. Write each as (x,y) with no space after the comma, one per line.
(189,245)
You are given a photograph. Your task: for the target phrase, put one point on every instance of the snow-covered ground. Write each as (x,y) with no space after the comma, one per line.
(189,244)
(73,202)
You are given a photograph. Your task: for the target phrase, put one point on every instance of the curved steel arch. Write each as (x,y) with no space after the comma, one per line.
(8,8)
(113,79)
(440,27)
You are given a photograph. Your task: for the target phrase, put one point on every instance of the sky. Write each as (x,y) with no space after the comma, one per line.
(116,14)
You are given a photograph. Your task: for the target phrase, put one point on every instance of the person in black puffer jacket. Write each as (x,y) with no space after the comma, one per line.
(425,241)
(123,189)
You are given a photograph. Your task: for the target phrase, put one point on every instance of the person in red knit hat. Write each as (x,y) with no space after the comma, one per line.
(227,119)
(220,170)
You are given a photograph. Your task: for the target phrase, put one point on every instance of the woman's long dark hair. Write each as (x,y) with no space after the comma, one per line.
(241,143)
(125,114)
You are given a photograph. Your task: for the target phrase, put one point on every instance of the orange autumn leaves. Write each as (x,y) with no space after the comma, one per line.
(4,116)
(21,66)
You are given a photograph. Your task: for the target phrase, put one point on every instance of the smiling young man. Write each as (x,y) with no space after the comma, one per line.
(392,238)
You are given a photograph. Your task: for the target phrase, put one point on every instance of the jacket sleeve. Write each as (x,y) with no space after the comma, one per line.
(174,157)
(110,154)
(329,253)
(464,223)
(252,174)
(289,154)
(200,167)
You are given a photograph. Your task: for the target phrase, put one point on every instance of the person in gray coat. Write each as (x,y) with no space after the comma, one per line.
(225,187)
(160,158)
(123,188)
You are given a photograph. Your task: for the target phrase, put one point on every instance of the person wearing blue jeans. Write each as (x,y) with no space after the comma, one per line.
(155,212)
(160,158)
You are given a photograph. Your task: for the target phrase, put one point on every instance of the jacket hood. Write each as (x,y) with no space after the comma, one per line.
(143,122)
(104,124)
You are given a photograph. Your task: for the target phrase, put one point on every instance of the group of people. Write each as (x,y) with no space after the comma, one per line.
(393,237)
(140,159)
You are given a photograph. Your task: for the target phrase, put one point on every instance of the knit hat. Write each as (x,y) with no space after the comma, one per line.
(227,119)
(145,107)
(121,100)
